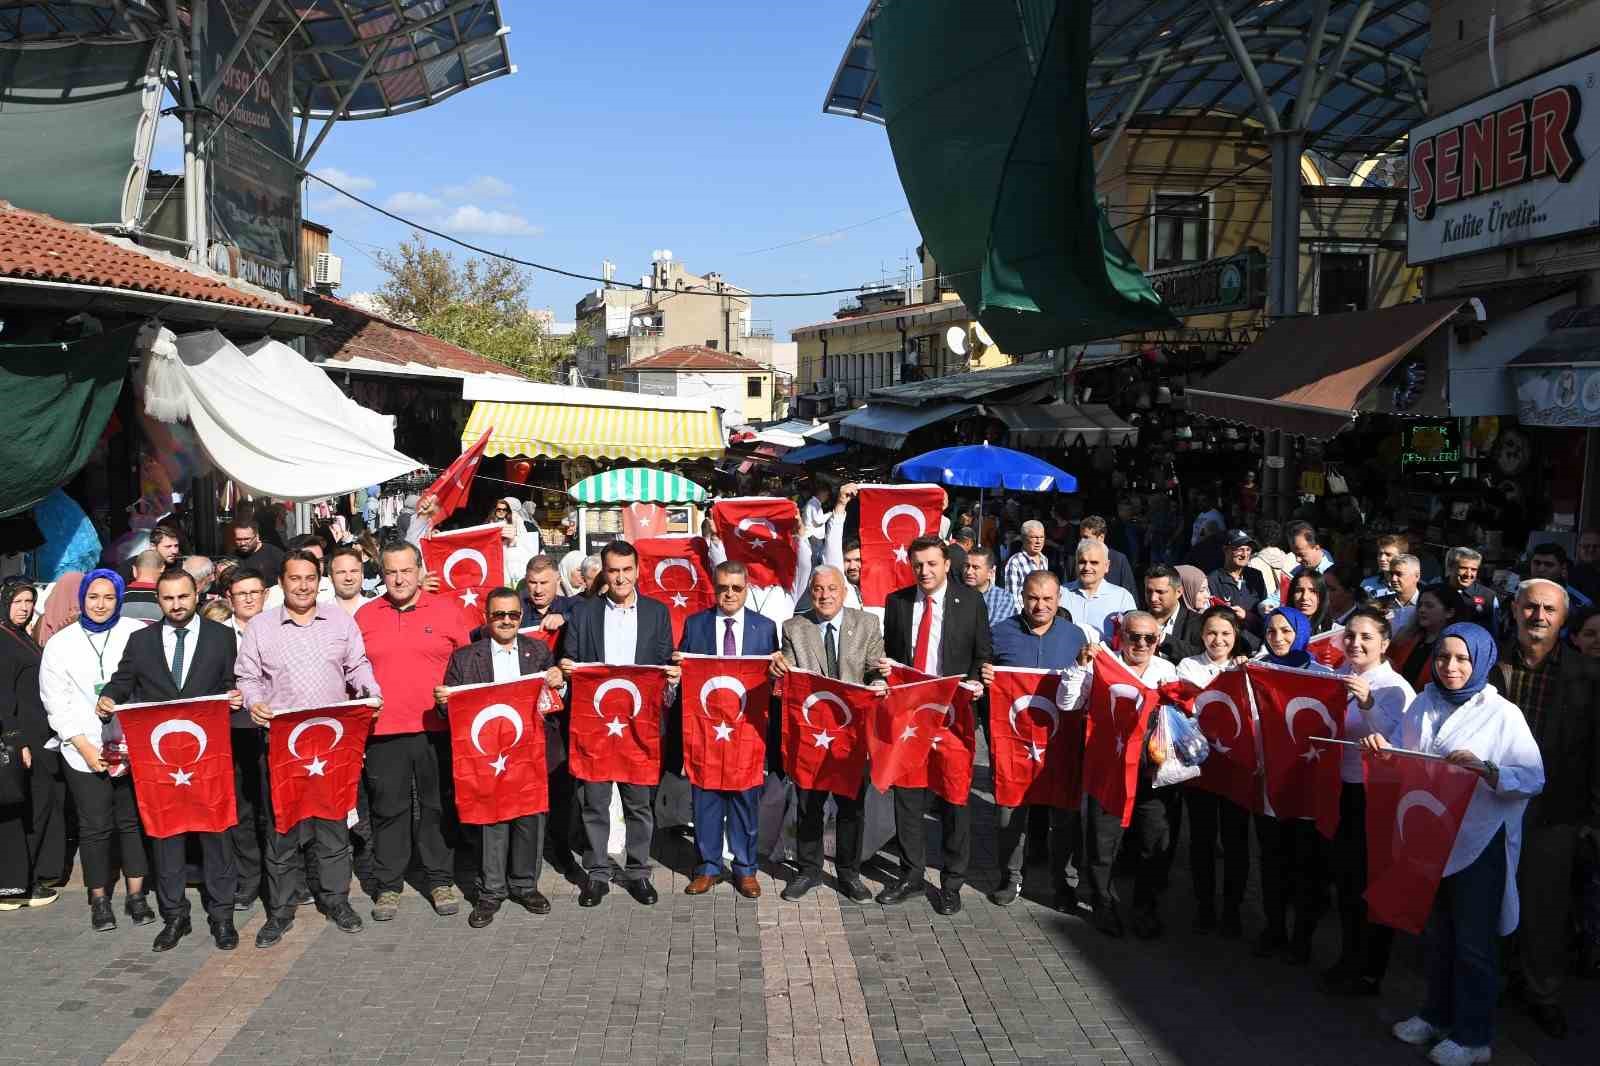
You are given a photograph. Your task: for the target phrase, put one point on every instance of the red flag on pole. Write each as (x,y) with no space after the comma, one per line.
(762,532)
(455,484)
(726,705)
(181,756)
(676,571)
(1414,810)
(1119,715)
(497,750)
(1328,648)
(614,729)
(892,516)
(1222,711)
(1037,750)
(469,563)
(314,758)
(901,728)
(1293,706)
(824,732)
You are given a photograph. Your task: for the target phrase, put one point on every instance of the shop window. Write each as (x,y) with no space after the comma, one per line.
(1342,282)
(1182,230)
(752,388)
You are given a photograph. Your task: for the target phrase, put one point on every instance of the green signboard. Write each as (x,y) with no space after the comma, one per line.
(1217,286)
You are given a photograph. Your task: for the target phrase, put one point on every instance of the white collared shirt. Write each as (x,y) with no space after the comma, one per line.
(935,631)
(507,663)
(169,644)
(722,620)
(621,634)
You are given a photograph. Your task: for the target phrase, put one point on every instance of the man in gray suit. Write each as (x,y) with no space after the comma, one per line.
(845,643)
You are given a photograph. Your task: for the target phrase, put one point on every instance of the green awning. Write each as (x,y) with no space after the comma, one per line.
(636,484)
(986,110)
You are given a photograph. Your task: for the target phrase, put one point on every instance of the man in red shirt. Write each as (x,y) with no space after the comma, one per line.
(409,635)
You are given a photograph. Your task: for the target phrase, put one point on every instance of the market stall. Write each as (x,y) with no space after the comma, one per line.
(634,501)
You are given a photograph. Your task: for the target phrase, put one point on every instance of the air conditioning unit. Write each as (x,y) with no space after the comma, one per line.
(328,271)
(841,394)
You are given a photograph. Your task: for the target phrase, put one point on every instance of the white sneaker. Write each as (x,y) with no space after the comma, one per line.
(1450,1053)
(1415,1031)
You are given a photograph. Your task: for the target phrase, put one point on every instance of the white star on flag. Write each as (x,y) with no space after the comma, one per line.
(679,600)
(724,731)
(315,767)
(614,727)
(469,597)
(1035,753)
(499,765)
(823,739)
(899,555)
(1311,754)
(909,732)
(181,777)
(1120,745)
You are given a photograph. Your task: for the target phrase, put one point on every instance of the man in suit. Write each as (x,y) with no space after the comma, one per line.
(939,627)
(728,630)
(622,628)
(512,851)
(183,657)
(1180,627)
(845,643)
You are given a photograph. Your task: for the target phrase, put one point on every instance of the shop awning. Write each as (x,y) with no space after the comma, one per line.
(811,453)
(887,426)
(636,484)
(1061,424)
(1309,375)
(575,431)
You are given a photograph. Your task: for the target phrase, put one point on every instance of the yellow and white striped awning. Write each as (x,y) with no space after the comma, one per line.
(572,431)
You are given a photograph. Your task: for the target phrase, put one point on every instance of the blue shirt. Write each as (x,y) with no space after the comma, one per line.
(1001,603)
(1057,649)
(1097,613)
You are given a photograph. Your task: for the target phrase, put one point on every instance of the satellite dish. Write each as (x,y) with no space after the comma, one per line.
(982,335)
(956,339)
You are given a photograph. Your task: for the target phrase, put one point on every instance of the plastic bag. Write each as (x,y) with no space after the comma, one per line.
(1188,743)
(1175,738)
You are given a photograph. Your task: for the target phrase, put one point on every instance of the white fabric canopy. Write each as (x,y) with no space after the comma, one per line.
(310,385)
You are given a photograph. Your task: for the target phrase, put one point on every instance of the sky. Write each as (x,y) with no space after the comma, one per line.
(695,127)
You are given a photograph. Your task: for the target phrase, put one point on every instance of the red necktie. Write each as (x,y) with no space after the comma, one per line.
(919,656)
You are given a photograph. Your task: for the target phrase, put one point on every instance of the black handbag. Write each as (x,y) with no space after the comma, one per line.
(13,776)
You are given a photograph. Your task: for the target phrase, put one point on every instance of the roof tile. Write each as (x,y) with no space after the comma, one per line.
(356,332)
(694,357)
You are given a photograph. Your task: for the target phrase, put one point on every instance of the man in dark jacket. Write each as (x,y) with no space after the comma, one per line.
(1180,627)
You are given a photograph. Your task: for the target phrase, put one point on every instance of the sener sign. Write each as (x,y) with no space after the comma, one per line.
(1511,167)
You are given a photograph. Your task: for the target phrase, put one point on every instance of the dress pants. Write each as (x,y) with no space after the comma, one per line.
(221,877)
(1011,831)
(1155,812)
(512,858)
(1293,870)
(847,831)
(249,787)
(910,804)
(1212,817)
(735,814)
(329,842)
(108,827)
(16,869)
(638,812)
(1544,883)
(1363,945)
(1460,948)
(47,814)
(396,763)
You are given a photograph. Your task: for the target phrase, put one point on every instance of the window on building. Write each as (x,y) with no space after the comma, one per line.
(1182,232)
(1342,282)
(752,388)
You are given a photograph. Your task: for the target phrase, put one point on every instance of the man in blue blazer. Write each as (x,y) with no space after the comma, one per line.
(727,629)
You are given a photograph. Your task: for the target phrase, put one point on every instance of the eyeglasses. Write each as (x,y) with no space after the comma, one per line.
(500,616)
(1140,638)
(248,594)
(730,588)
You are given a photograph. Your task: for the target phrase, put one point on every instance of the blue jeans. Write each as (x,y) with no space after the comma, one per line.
(738,813)
(1461,946)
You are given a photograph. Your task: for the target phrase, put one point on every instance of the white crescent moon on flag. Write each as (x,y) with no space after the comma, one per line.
(827,697)
(1416,798)
(1206,699)
(1306,703)
(904,509)
(758,523)
(722,681)
(667,564)
(1123,692)
(945,711)
(457,556)
(332,723)
(176,725)
(618,683)
(489,714)
(1034,702)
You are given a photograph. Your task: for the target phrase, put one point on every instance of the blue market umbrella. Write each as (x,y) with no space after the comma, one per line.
(986,466)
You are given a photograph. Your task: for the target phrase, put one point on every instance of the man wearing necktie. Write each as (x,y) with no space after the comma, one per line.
(938,627)
(845,643)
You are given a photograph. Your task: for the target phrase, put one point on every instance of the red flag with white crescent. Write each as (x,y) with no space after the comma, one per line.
(548,637)
(455,484)
(1414,810)
(1036,749)
(314,758)
(1120,707)
(824,732)
(954,744)
(181,755)
(614,728)
(469,563)
(892,516)
(763,533)
(640,520)
(901,728)
(1328,648)
(726,705)
(1222,711)
(1293,706)
(497,750)
(676,571)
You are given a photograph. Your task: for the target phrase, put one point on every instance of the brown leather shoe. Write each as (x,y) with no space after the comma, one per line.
(747,886)
(701,884)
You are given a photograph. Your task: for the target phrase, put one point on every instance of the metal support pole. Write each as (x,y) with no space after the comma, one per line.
(1129,108)
(1247,66)
(209,92)
(1283,260)
(194,201)
(1308,66)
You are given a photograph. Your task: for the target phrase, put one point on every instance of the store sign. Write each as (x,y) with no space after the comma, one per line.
(1510,167)
(1558,396)
(1233,283)
(1430,445)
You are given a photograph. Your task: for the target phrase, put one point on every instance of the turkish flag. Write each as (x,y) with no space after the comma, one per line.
(901,728)
(763,533)
(469,563)
(1414,810)
(548,637)
(1328,648)
(726,705)
(455,484)
(1036,750)
(641,520)
(314,759)
(824,732)
(892,516)
(1222,711)
(1302,775)
(954,744)
(676,571)
(1119,716)
(181,756)
(614,728)
(497,750)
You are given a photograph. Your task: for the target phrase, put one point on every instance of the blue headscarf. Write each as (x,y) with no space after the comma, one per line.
(1297,655)
(83,591)
(1482,652)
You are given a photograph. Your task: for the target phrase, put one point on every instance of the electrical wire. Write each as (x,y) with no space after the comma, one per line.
(828,233)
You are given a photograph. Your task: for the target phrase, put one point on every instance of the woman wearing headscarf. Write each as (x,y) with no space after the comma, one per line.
(1196,589)
(19,682)
(1461,718)
(76,665)
(572,583)
(60,607)
(22,730)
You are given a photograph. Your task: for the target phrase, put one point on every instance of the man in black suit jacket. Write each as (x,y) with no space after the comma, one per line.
(622,628)
(182,657)
(940,627)
(512,851)
(1180,627)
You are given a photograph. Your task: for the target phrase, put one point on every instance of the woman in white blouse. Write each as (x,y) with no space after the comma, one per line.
(1461,717)
(77,663)
(1378,697)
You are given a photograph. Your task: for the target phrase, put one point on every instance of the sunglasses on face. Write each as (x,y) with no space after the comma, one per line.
(499,616)
(1139,638)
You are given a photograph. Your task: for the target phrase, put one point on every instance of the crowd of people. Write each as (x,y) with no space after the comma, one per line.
(1504,684)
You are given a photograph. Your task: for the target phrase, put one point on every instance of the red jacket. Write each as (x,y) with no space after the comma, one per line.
(409,651)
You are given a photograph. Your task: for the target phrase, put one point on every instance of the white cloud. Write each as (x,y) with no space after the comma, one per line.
(486,187)
(413,203)
(346,180)
(470,218)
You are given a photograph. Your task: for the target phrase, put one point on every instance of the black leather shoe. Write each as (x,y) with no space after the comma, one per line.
(593,892)
(223,934)
(1066,900)
(1006,894)
(534,902)
(854,889)
(947,901)
(301,898)
(1107,920)
(641,890)
(102,919)
(900,891)
(138,909)
(272,931)
(483,913)
(345,917)
(797,889)
(175,930)
(1549,1017)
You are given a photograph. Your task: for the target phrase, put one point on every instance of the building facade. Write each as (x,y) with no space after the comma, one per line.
(744,389)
